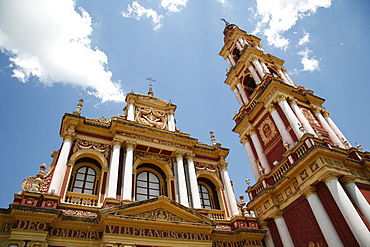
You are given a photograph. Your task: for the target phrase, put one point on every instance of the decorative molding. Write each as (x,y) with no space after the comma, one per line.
(79,213)
(158,214)
(150,139)
(158,157)
(267,130)
(85,144)
(151,117)
(204,166)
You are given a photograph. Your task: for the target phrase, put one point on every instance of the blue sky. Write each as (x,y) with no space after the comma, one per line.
(53,53)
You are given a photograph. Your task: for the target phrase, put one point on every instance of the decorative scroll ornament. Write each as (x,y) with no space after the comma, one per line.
(158,157)
(79,213)
(151,117)
(267,130)
(310,117)
(204,166)
(84,144)
(159,214)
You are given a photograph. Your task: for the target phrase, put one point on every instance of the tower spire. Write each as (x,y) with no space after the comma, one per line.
(150,86)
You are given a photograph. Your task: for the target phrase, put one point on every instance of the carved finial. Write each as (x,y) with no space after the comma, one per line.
(150,86)
(359,147)
(286,144)
(301,128)
(213,139)
(260,169)
(226,22)
(79,107)
(247,181)
(241,197)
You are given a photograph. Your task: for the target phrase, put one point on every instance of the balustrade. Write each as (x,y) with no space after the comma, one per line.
(81,199)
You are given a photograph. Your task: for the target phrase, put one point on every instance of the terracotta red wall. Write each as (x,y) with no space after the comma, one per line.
(302,224)
(336,216)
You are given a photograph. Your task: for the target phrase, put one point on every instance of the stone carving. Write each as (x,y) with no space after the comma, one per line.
(79,213)
(150,139)
(204,166)
(159,214)
(267,130)
(151,117)
(158,157)
(84,144)
(310,117)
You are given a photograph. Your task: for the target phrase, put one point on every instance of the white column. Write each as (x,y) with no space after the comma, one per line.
(238,45)
(238,97)
(265,68)
(127,178)
(183,192)
(349,213)
(229,192)
(357,197)
(336,129)
(283,76)
(334,138)
(231,60)
(259,68)
(292,118)
(268,238)
(131,111)
(261,156)
(307,126)
(171,122)
(251,158)
(61,165)
(254,74)
(242,93)
(327,228)
(113,170)
(228,61)
(193,182)
(283,231)
(289,79)
(281,126)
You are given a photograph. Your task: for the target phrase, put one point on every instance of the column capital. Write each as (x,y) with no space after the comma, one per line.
(278,214)
(130,144)
(280,97)
(251,131)
(316,109)
(70,133)
(326,178)
(189,156)
(131,101)
(244,139)
(264,224)
(292,100)
(179,154)
(347,179)
(325,113)
(271,108)
(222,164)
(171,112)
(117,141)
(309,191)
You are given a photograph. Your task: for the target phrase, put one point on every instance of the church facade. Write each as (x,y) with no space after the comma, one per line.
(136,180)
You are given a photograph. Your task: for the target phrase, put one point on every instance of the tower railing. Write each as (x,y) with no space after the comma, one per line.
(291,157)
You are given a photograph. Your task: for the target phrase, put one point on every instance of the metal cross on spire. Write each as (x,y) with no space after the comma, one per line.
(150,86)
(226,22)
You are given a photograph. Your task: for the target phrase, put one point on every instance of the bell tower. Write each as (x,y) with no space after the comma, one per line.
(301,161)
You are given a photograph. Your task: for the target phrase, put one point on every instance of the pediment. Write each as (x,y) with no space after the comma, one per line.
(160,209)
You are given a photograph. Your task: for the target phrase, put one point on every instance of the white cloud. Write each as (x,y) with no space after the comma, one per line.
(135,10)
(309,64)
(49,40)
(174,5)
(276,17)
(304,40)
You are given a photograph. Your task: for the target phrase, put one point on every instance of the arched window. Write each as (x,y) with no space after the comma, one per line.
(249,85)
(85,179)
(208,194)
(147,186)
(204,196)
